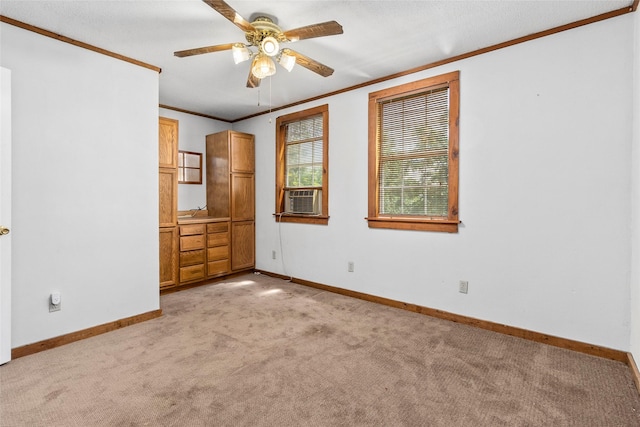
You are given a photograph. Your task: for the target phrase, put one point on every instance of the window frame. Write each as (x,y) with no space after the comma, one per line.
(416,222)
(182,154)
(281,122)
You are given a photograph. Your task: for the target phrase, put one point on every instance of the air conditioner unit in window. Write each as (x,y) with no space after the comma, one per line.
(307,202)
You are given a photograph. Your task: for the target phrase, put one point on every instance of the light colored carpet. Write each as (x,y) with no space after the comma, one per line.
(260,351)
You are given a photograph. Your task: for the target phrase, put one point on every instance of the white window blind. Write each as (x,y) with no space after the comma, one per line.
(413,153)
(303,153)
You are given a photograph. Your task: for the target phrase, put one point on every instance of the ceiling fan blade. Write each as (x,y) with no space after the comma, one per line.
(311,64)
(201,50)
(228,12)
(328,28)
(252,81)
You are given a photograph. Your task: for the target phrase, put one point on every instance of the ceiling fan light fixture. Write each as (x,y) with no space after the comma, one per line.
(270,46)
(240,53)
(286,60)
(263,66)
(263,38)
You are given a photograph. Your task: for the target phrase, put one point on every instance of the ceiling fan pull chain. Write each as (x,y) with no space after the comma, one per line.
(270,95)
(270,99)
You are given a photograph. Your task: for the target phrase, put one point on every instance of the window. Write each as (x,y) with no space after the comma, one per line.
(302,177)
(189,167)
(413,155)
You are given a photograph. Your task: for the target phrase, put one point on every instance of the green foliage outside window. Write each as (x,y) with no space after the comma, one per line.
(414,156)
(304,153)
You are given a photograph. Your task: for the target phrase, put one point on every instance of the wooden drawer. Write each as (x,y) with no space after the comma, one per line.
(191,258)
(217,239)
(217,227)
(189,243)
(190,229)
(217,267)
(193,272)
(219,252)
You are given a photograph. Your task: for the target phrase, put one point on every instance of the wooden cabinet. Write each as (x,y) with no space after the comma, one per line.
(217,249)
(204,247)
(242,245)
(168,192)
(168,143)
(231,191)
(204,250)
(230,175)
(192,252)
(168,201)
(168,257)
(242,197)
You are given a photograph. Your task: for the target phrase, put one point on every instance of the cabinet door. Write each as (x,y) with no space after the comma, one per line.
(217,161)
(168,143)
(242,245)
(242,197)
(168,197)
(168,257)
(242,153)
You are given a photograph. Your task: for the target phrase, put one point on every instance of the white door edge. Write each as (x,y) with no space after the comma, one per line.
(5,215)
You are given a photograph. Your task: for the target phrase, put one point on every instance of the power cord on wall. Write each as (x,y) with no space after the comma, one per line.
(284,269)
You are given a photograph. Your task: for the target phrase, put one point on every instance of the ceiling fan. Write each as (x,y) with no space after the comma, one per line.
(264,35)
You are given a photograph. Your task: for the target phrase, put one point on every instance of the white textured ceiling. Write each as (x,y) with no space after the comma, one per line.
(380,38)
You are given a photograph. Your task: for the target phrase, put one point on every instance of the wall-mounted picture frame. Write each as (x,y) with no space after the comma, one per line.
(189,167)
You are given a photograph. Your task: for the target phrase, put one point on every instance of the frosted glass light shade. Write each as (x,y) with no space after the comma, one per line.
(240,53)
(263,66)
(287,61)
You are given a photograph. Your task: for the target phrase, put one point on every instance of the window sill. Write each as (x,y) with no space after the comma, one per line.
(417,224)
(302,219)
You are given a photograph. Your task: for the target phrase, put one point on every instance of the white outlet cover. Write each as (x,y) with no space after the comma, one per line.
(55,298)
(463,287)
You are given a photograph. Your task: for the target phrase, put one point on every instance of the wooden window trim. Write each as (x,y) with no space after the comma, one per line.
(182,166)
(449,224)
(280,216)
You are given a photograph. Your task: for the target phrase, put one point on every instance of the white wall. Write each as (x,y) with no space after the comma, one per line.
(85,186)
(635,198)
(545,141)
(192,131)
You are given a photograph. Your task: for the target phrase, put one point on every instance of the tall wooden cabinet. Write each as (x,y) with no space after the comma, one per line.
(231,191)
(168,198)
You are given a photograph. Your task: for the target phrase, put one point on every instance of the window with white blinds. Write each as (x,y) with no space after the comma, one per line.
(303,146)
(413,153)
(413,175)
(302,166)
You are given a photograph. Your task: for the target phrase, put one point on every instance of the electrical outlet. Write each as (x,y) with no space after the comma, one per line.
(55,302)
(273,254)
(463,287)
(350,266)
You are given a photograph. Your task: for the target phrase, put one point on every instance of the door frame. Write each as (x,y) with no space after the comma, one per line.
(5,215)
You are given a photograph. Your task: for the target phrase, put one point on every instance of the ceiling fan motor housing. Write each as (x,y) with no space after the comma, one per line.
(265,27)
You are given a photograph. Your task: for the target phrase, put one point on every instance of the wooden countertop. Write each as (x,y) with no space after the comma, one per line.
(199,220)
